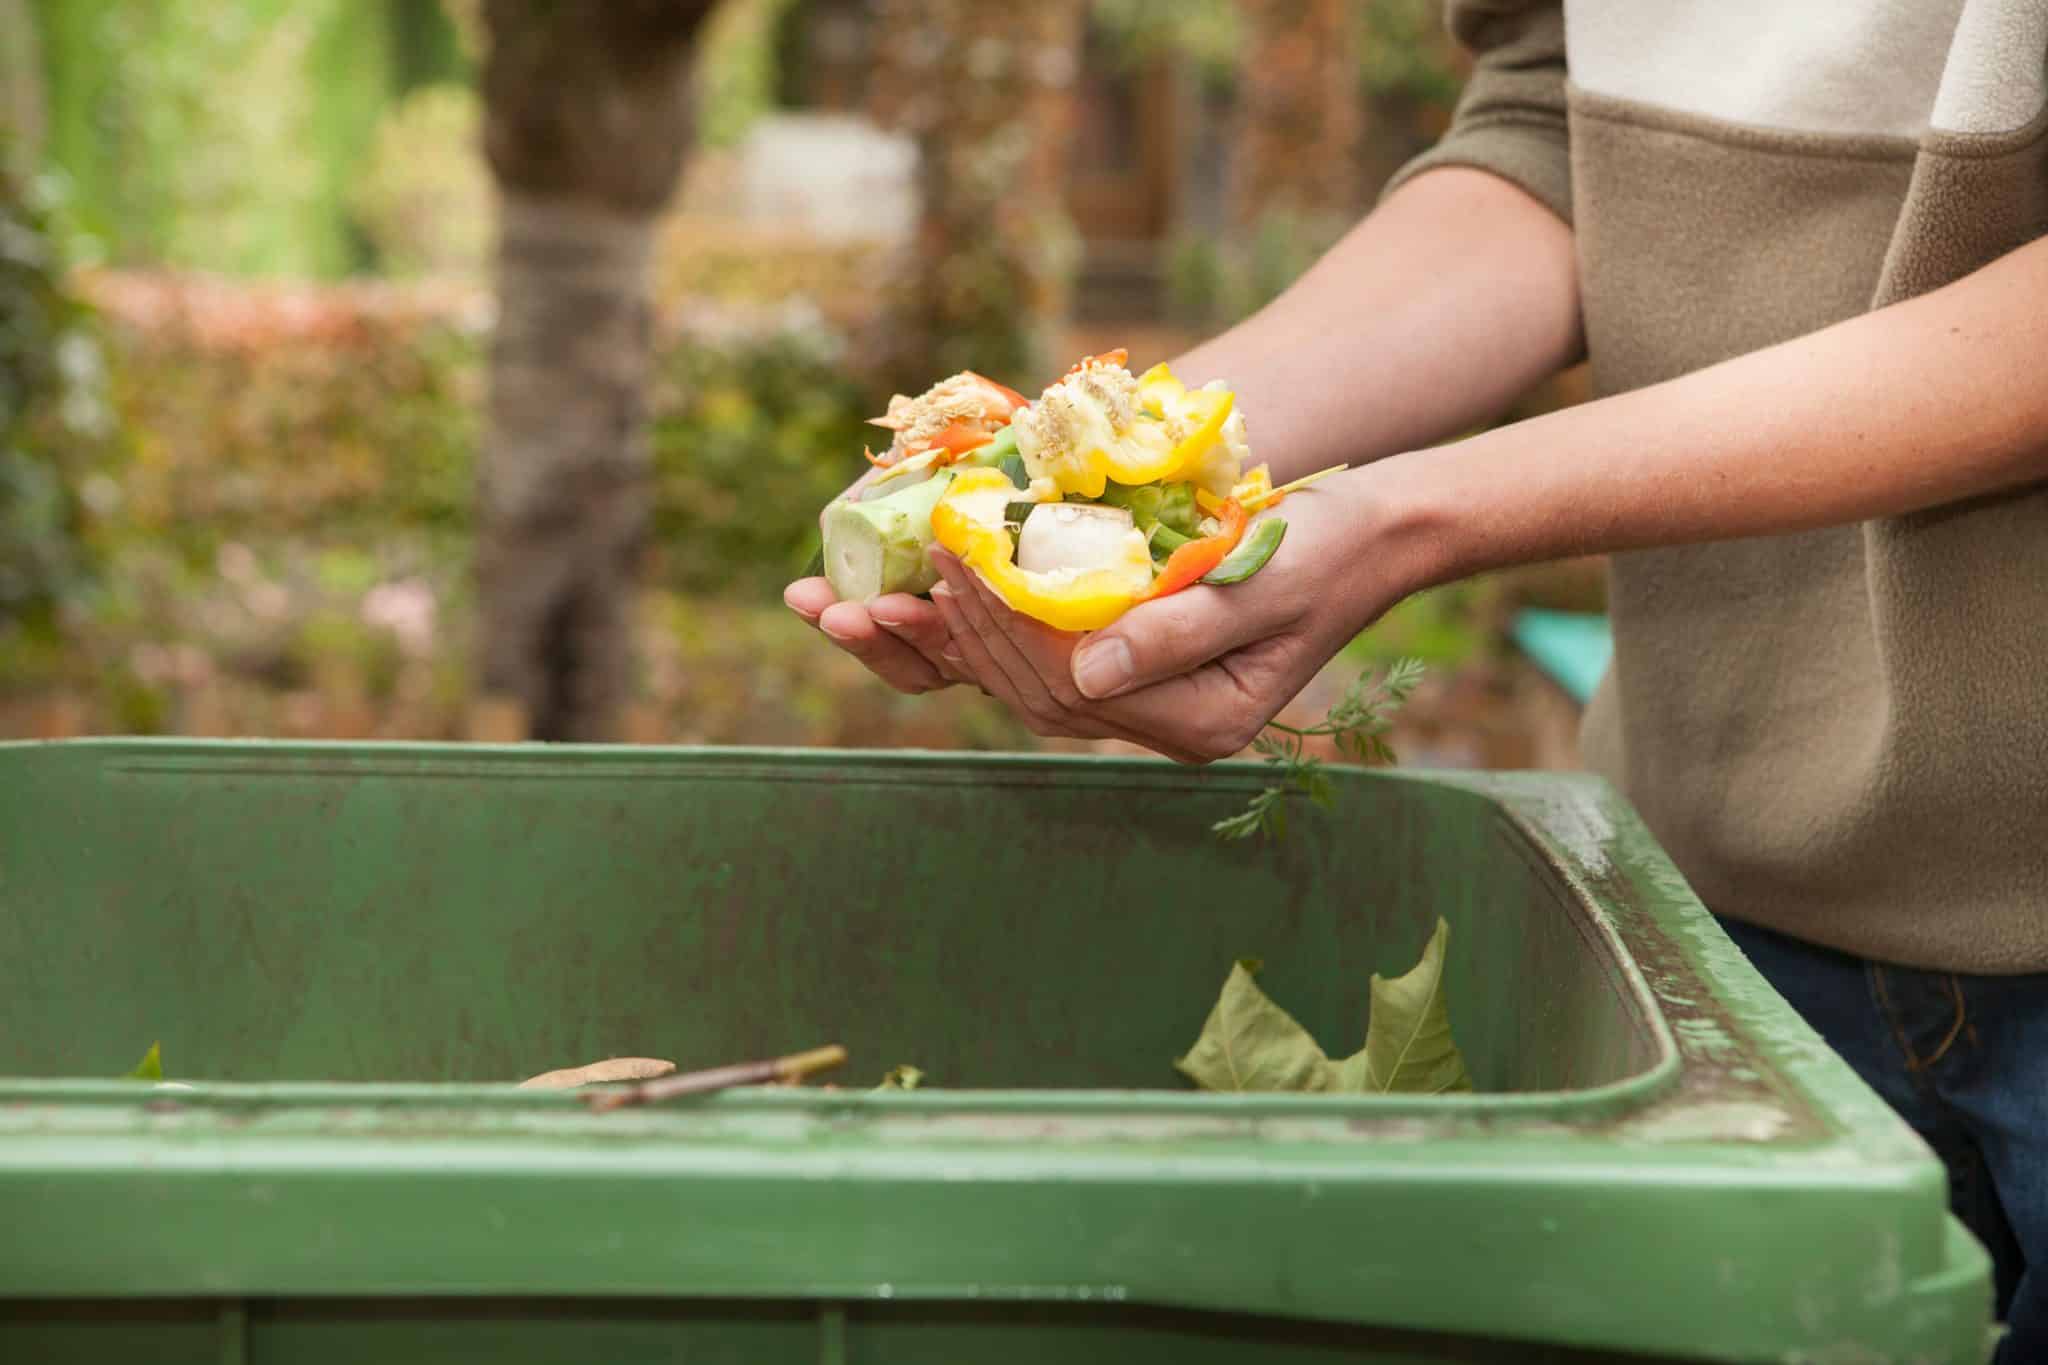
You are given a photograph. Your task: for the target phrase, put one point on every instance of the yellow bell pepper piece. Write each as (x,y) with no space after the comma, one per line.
(1144,452)
(1064,601)
(1159,391)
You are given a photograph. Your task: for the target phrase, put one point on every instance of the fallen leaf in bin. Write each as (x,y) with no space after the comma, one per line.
(1408,1045)
(1251,1044)
(611,1069)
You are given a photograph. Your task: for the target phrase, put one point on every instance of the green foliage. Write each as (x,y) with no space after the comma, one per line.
(219,137)
(1406,54)
(1212,282)
(1207,33)
(737,69)
(358,411)
(1358,723)
(1251,1045)
(53,413)
(902,1078)
(752,435)
(371,422)
(151,1067)
(424,199)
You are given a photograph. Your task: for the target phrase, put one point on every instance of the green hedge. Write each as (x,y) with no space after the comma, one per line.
(355,409)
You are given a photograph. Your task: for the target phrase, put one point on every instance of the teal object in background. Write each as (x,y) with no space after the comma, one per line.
(1573,647)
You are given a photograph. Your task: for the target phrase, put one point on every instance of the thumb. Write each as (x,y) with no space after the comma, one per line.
(1160,640)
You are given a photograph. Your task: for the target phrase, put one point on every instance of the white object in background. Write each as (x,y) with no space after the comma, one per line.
(837,177)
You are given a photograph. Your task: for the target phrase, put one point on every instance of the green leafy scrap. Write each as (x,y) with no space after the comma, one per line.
(1359,723)
(902,1078)
(151,1067)
(1250,1045)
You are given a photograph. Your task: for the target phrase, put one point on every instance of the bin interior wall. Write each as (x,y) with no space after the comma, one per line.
(409,916)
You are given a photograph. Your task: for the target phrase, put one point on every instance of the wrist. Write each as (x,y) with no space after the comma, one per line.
(1411,531)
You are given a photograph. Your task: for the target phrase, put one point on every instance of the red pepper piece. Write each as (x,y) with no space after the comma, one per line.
(1192,562)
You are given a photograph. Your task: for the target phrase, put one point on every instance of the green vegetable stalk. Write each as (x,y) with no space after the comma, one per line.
(877,547)
(1153,506)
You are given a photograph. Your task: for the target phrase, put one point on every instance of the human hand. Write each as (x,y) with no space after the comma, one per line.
(1195,676)
(902,639)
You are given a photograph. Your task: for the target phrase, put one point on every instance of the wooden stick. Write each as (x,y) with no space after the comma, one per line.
(784,1070)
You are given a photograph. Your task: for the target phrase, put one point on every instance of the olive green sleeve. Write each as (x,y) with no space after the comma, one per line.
(1511,118)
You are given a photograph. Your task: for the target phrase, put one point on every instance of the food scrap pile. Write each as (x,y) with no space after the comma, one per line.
(1110,490)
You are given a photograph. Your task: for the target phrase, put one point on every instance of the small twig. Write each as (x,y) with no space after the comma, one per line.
(783,1070)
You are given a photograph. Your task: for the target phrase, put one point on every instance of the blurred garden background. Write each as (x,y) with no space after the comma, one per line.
(434,369)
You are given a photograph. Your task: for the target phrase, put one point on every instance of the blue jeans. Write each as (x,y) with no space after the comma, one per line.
(1964,1059)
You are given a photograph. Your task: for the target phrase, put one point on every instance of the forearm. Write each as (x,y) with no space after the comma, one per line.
(1924,403)
(1451,300)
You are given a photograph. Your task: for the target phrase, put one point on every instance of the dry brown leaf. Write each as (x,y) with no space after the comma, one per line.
(611,1069)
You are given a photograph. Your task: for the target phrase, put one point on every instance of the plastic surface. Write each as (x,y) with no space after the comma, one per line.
(1572,647)
(352,951)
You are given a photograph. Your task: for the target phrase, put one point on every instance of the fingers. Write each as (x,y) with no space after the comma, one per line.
(900,639)
(922,626)
(981,635)
(849,626)
(1217,710)
(972,657)
(1166,639)
(808,598)
(1212,711)
(1031,663)
(999,681)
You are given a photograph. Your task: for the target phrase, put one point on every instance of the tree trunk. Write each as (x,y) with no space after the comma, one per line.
(586,119)
(1300,113)
(987,89)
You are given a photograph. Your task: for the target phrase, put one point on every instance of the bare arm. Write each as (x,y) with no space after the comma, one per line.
(1429,319)
(1927,402)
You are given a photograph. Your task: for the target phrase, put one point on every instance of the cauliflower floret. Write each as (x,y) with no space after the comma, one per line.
(1089,410)
(960,398)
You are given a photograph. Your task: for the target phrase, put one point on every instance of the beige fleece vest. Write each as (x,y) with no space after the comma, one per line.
(1840,734)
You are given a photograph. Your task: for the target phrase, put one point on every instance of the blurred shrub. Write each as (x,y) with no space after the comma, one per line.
(1213,282)
(737,73)
(190,128)
(1207,33)
(755,429)
(291,408)
(228,136)
(53,414)
(1407,54)
(425,199)
(355,411)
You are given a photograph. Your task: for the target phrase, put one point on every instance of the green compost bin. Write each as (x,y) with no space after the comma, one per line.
(348,951)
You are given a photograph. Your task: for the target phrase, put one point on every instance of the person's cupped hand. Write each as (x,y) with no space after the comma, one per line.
(1194,676)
